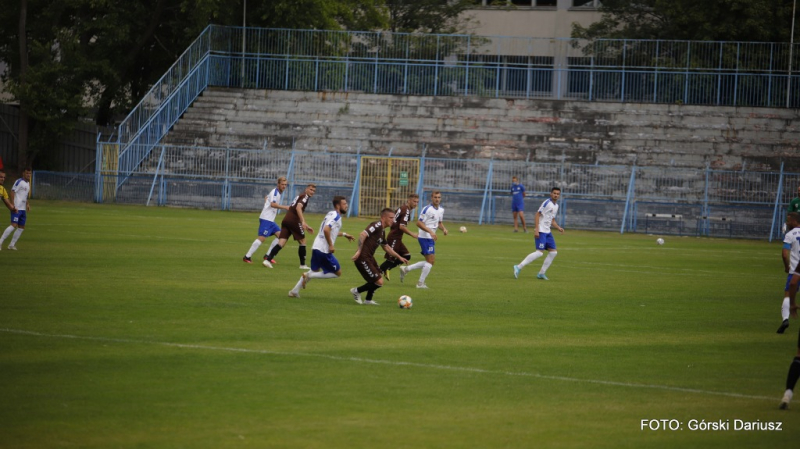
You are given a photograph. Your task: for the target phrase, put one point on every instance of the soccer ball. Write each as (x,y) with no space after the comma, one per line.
(660,241)
(405,302)
(463,229)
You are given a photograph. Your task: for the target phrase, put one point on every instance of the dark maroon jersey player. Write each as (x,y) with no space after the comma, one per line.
(294,224)
(368,241)
(402,216)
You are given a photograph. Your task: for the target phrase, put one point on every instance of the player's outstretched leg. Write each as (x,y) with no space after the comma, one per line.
(791,382)
(784,315)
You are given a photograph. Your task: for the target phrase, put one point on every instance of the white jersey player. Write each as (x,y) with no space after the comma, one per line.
(544,220)
(19,197)
(323,263)
(431,218)
(791,257)
(267,226)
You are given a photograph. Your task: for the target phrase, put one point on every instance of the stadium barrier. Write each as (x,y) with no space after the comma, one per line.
(714,203)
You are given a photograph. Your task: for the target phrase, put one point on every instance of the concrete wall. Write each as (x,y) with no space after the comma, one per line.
(529,21)
(469,127)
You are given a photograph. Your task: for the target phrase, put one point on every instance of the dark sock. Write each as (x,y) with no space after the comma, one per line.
(302,253)
(364,287)
(387,265)
(371,291)
(407,257)
(274,252)
(794,374)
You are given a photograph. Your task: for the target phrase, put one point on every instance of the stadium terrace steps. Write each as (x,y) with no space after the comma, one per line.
(467,127)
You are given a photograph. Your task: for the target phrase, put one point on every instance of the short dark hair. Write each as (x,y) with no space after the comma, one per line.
(555,188)
(413,195)
(385,210)
(337,200)
(794,216)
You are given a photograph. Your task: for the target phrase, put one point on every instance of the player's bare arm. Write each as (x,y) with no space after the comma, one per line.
(785,254)
(441,226)
(349,237)
(405,230)
(361,238)
(302,218)
(276,205)
(392,253)
(326,231)
(555,225)
(421,225)
(536,224)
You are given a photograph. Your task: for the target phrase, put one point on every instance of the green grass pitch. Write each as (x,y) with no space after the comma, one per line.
(133,327)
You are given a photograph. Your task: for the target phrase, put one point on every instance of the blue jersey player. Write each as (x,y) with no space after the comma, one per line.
(518,203)
(545,219)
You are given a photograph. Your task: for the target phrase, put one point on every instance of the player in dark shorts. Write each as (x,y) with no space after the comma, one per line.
(395,238)
(368,241)
(294,224)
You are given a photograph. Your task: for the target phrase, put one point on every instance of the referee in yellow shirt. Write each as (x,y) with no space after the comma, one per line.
(4,193)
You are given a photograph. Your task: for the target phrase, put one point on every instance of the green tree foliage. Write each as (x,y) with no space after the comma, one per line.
(704,20)
(428,16)
(98,57)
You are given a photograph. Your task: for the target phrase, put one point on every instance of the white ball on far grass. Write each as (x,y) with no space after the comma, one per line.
(463,229)
(660,241)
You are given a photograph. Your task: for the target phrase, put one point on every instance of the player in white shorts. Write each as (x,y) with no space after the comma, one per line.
(792,234)
(544,219)
(19,216)
(266,222)
(323,263)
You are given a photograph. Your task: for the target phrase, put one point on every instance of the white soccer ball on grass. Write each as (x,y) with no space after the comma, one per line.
(660,241)
(405,302)
(463,229)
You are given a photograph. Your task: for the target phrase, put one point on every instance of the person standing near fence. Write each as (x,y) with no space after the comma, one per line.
(4,193)
(294,225)
(267,226)
(545,219)
(430,219)
(518,203)
(368,241)
(395,238)
(19,197)
(323,263)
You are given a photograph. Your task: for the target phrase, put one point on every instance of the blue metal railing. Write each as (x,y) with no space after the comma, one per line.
(684,72)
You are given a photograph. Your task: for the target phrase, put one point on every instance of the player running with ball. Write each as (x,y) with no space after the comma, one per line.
(545,218)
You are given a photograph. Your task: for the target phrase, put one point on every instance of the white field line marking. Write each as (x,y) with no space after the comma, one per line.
(393,363)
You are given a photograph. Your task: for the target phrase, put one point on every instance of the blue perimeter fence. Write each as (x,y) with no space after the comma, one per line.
(644,71)
(654,200)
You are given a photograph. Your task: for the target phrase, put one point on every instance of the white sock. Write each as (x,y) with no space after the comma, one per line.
(530,258)
(274,242)
(321,275)
(253,248)
(426,269)
(6,233)
(547,261)
(416,266)
(785,308)
(16,236)
(299,285)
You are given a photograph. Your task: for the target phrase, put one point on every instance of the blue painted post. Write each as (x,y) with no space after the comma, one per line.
(436,70)
(705,205)
(719,73)
(98,175)
(688,66)
(356,194)
(155,177)
(628,199)
(777,203)
(421,178)
(375,75)
(736,77)
(486,190)
(655,79)
(624,53)
(466,73)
